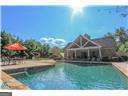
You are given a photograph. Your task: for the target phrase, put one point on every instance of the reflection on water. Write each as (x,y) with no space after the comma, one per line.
(70,76)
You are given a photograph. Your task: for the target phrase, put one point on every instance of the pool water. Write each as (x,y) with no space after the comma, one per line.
(71,76)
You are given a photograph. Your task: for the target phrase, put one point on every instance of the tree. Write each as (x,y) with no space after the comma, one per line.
(7,38)
(36,48)
(110,35)
(46,48)
(123,47)
(121,34)
(119,10)
(31,46)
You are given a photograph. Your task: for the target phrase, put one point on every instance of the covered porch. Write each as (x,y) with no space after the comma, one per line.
(86,53)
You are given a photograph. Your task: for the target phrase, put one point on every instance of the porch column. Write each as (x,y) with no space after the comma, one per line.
(88,53)
(67,54)
(80,54)
(100,53)
(75,54)
(80,41)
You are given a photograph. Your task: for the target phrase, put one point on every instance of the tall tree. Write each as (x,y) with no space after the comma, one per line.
(121,34)
(46,48)
(7,38)
(34,47)
(123,47)
(110,35)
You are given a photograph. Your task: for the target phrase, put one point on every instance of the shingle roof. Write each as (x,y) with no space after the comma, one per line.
(67,45)
(105,42)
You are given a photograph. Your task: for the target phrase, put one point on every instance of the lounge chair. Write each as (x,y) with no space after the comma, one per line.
(18,60)
(5,60)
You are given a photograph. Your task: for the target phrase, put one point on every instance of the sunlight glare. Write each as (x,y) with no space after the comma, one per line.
(77,8)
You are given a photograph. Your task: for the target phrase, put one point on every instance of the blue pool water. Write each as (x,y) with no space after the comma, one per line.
(69,76)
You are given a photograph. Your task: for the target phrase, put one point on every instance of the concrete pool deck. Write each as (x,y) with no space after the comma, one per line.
(122,66)
(12,83)
(30,64)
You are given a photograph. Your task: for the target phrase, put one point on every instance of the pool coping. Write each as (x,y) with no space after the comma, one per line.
(12,83)
(30,64)
(122,67)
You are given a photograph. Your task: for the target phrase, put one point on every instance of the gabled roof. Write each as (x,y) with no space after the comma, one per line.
(102,42)
(92,41)
(67,45)
(105,42)
(77,44)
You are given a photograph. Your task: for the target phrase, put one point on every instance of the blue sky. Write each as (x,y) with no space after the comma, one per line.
(55,22)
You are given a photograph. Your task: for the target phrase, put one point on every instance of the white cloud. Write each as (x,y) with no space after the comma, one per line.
(53,41)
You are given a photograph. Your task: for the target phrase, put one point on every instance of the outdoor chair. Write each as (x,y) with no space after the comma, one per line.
(98,59)
(18,60)
(93,59)
(5,61)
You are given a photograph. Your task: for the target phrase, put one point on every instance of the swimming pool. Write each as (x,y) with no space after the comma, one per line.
(71,76)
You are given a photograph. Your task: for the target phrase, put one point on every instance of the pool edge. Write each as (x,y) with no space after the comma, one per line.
(121,68)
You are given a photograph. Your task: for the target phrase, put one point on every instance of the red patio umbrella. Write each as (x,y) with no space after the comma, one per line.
(15,47)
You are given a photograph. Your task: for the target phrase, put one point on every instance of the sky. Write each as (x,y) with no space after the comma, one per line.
(57,25)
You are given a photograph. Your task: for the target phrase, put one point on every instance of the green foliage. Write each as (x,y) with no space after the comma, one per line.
(7,38)
(34,48)
(46,52)
(123,47)
(110,35)
(122,35)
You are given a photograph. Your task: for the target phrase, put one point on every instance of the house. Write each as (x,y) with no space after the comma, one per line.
(84,48)
(55,52)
